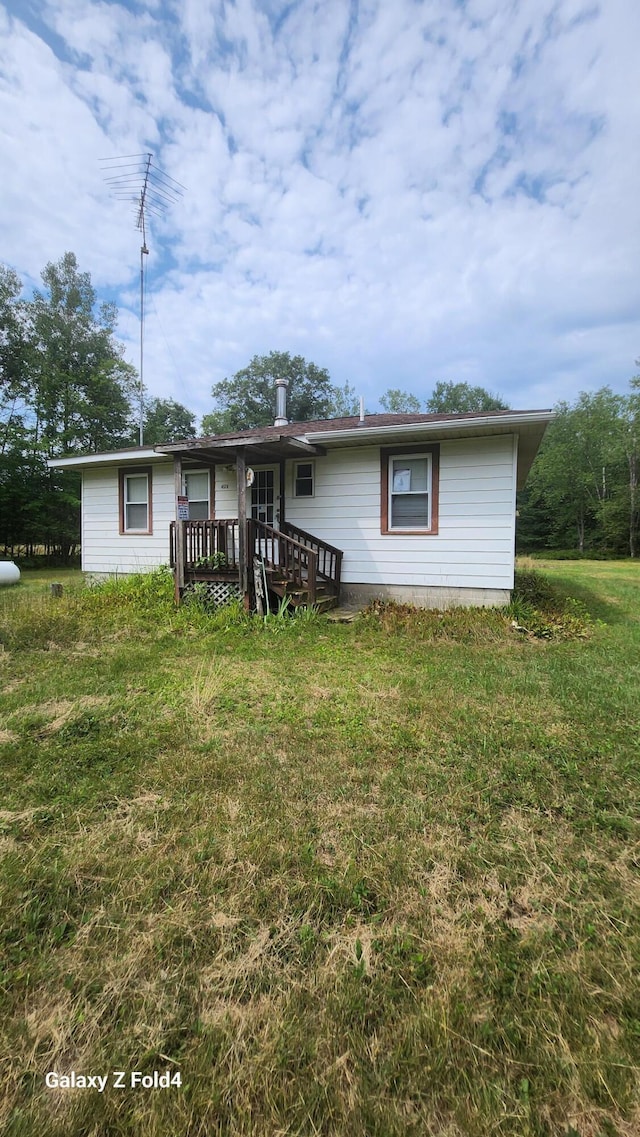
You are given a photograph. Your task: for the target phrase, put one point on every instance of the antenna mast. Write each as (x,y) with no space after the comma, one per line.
(144,252)
(151,192)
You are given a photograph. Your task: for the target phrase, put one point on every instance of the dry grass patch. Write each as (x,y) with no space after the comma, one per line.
(352,946)
(57,713)
(87,651)
(16,816)
(12,686)
(257,1016)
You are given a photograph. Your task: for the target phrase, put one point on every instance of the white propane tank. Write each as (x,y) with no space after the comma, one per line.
(9,573)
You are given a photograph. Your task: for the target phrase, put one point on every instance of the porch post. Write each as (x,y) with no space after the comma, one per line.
(241,474)
(180,541)
(282,493)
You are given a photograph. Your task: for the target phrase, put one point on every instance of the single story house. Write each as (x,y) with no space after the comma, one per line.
(419,508)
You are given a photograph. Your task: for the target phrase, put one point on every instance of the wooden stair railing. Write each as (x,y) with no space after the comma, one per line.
(282,553)
(329,557)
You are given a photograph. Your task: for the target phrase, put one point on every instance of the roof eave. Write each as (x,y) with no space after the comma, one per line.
(443,426)
(112,457)
(529,426)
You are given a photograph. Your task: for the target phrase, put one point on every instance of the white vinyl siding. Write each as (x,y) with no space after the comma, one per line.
(226,492)
(104,548)
(258,504)
(474,546)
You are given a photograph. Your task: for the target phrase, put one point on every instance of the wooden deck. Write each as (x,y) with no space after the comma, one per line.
(294,563)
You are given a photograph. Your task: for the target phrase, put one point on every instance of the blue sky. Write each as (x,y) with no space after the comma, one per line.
(401,192)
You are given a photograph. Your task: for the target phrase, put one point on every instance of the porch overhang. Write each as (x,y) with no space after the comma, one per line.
(259,449)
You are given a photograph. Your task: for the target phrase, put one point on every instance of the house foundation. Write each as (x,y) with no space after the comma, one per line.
(359,595)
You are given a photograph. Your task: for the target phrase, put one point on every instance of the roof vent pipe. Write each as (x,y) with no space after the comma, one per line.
(281,402)
(362,408)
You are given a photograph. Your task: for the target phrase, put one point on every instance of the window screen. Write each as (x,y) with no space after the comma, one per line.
(409,493)
(136,502)
(196,486)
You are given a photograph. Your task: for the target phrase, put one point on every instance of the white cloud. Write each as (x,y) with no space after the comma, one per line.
(400,192)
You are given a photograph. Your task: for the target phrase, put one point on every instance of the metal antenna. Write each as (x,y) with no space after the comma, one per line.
(151,191)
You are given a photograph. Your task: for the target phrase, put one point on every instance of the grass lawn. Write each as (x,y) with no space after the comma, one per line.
(372,880)
(39,580)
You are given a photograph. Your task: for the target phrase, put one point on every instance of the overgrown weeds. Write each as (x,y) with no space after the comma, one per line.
(466,625)
(30,620)
(540,609)
(537,608)
(145,601)
(140,602)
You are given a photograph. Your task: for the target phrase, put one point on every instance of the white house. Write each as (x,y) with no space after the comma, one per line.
(418,508)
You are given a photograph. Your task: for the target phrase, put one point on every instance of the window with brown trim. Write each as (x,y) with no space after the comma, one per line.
(135,500)
(409,484)
(196,488)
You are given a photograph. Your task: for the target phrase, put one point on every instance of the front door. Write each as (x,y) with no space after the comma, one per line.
(263,496)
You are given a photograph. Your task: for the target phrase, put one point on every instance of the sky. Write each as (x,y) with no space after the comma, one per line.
(401,191)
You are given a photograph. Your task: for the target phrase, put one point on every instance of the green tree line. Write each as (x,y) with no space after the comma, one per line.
(65,388)
(582,492)
(247,398)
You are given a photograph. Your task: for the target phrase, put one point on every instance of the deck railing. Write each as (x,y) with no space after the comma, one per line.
(203,540)
(293,554)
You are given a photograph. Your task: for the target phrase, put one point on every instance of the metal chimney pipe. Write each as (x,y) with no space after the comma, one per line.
(281,402)
(362,408)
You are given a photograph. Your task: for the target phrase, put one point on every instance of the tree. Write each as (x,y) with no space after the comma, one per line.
(16,482)
(344,402)
(81,382)
(79,395)
(576,474)
(461,398)
(64,388)
(248,399)
(535,520)
(629,447)
(166,421)
(13,340)
(13,358)
(396,402)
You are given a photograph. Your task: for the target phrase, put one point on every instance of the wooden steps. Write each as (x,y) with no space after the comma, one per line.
(299,596)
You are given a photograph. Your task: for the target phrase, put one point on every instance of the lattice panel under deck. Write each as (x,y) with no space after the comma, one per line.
(217,592)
